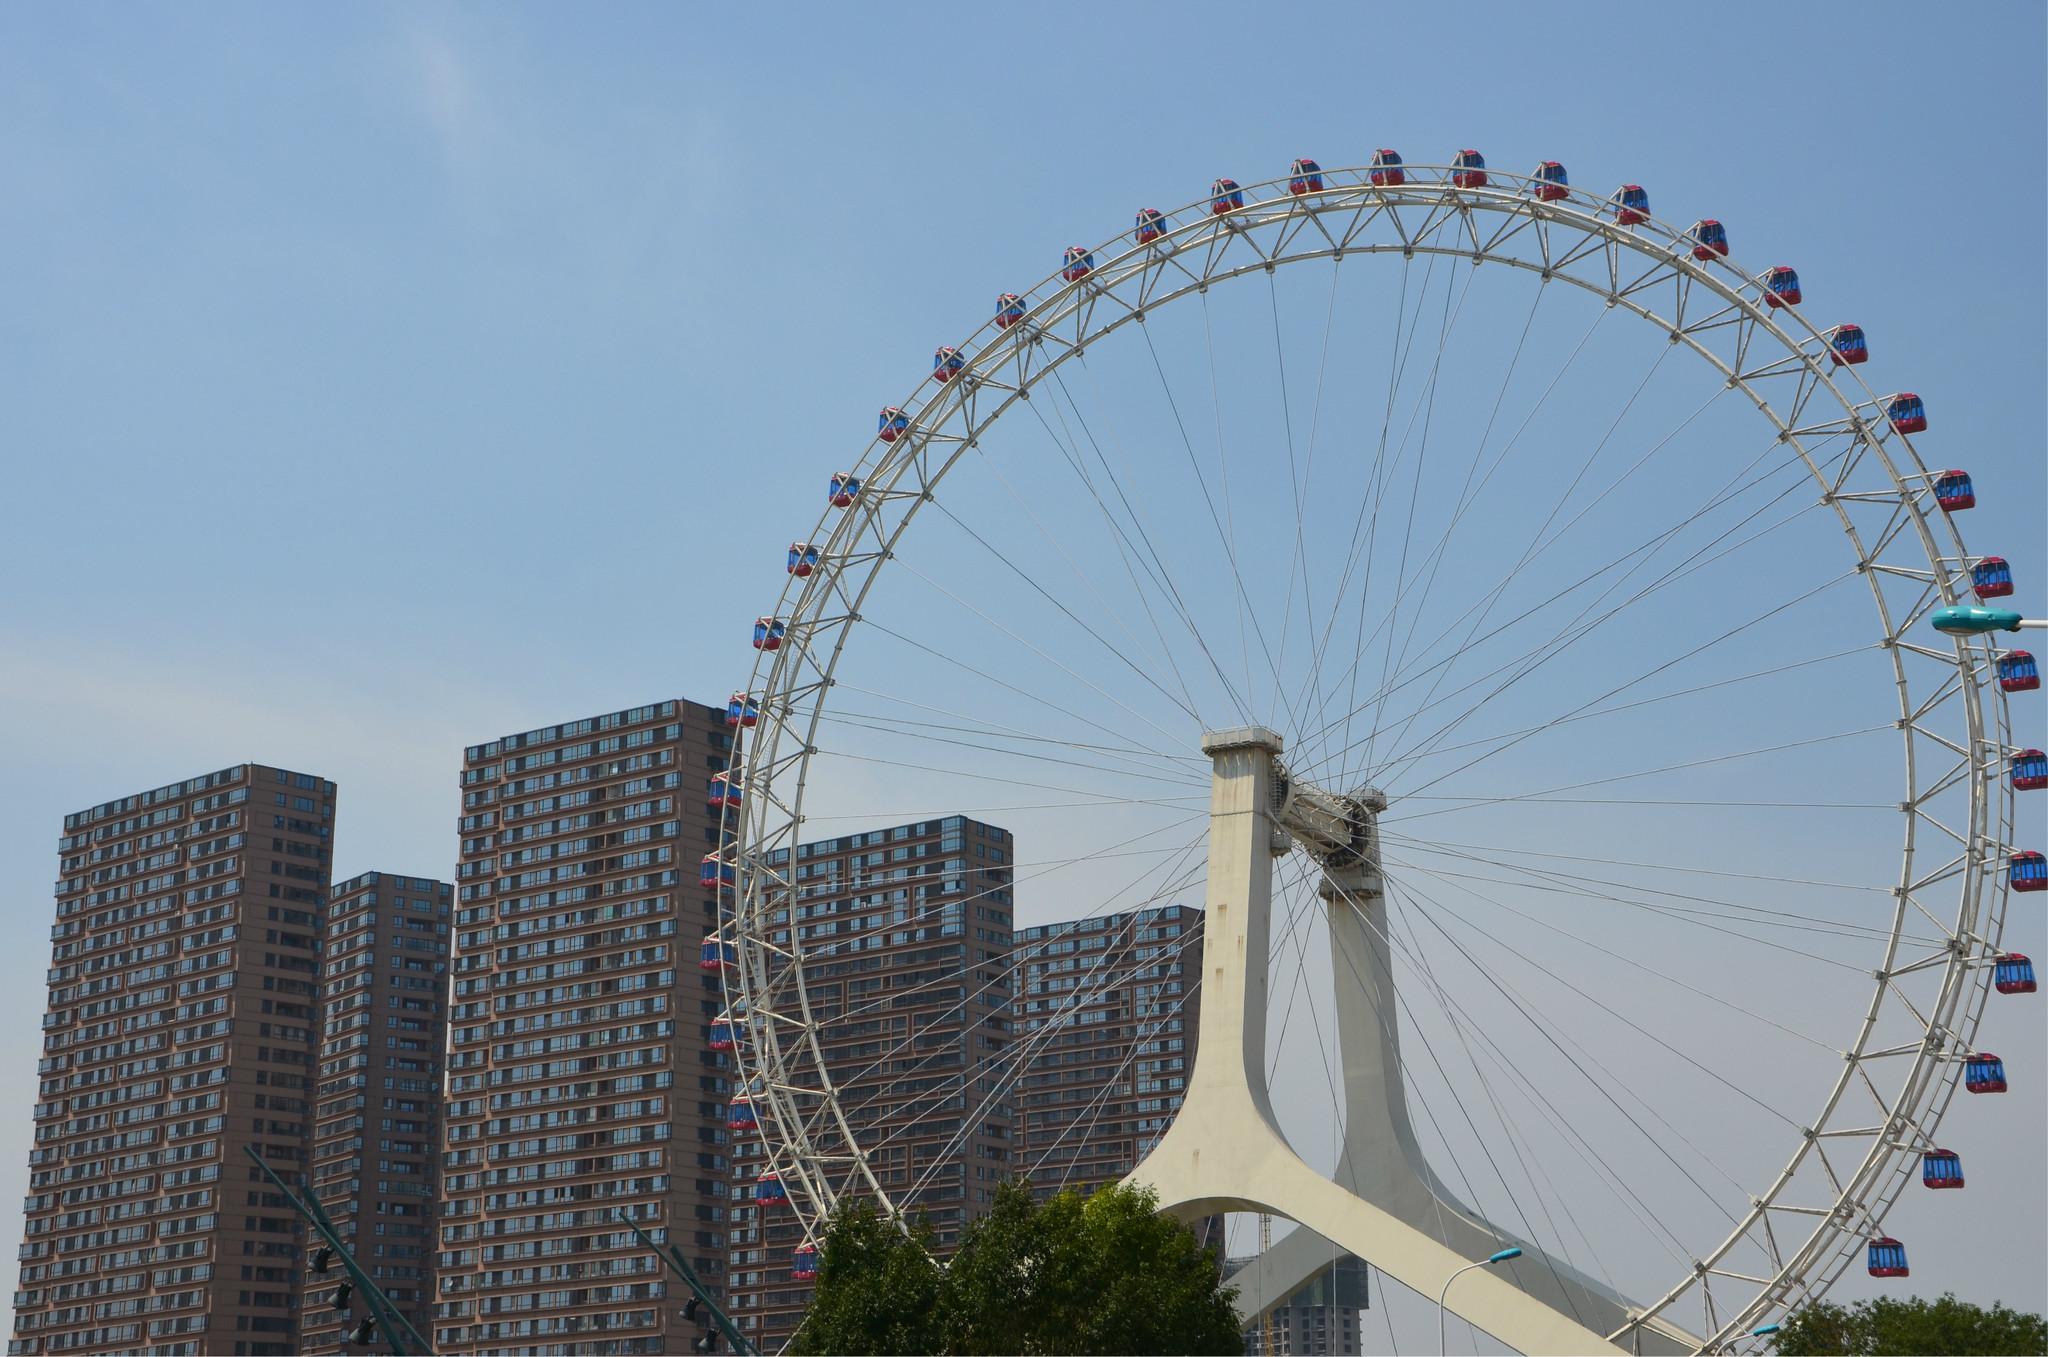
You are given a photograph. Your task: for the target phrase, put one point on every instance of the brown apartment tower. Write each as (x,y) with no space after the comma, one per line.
(377,1123)
(579,1084)
(1108,1010)
(184,988)
(904,934)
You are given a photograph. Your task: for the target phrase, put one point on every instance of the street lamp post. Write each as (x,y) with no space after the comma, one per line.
(1977,621)
(1500,1257)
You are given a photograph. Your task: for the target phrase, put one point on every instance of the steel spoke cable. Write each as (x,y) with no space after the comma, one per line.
(1178,881)
(1703,556)
(1156,570)
(1640,703)
(1230,520)
(1468,494)
(1438,991)
(1382,1018)
(1556,1036)
(1566,887)
(971,724)
(1140,518)
(1427,406)
(1750,914)
(1462,1027)
(1011,687)
(1600,1085)
(1298,562)
(1224,534)
(1647,549)
(1037,650)
(1568,632)
(900,764)
(1577,634)
(1365,526)
(928,731)
(1363,641)
(1585,469)
(1042,592)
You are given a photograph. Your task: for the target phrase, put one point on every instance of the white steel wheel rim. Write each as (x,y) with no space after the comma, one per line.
(1774,356)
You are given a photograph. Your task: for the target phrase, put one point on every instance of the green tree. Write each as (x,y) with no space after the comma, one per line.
(878,1288)
(1886,1326)
(1105,1274)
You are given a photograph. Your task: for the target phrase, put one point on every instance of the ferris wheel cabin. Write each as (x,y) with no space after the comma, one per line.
(1076,264)
(1781,287)
(1631,205)
(2027,871)
(1225,196)
(2029,770)
(739,1115)
(720,793)
(891,424)
(1940,1169)
(1304,176)
(1888,1258)
(768,633)
(1709,240)
(1386,171)
(1984,1073)
(1551,183)
(1953,491)
(1846,345)
(803,557)
(1991,577)
(2017,672)
(1151,225)
(946,365)
(1906,412)
(803,1263)
(1468,169)
(1009,310)
(2014,974)
(741,710)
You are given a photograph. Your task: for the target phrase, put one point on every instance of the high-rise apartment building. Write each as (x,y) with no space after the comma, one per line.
(580,1086)
(904,934)
(1321,1318)
(1108,1010)
(184,991)
(377,1123)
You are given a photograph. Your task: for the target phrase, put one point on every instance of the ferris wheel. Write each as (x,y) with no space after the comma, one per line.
(1569,589)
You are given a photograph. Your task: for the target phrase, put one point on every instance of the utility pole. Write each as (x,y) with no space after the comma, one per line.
(384,1317)
(1266,1319)
(677,1264)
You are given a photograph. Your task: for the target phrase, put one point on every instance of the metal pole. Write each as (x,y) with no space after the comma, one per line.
(1440,1302)
(396,1329)
(673,1256)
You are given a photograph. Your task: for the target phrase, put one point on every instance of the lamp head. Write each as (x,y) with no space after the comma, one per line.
(1504,1255)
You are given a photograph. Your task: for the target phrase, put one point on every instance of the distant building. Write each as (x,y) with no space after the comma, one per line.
(1108,1014)
(180,1033)
(377,1128)
(1322,1317)
(905,938)
(578,1079)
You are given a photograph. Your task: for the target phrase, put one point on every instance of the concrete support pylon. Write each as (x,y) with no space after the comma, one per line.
(1225,1150)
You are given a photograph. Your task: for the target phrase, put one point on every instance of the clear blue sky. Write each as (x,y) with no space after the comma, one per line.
(380,379)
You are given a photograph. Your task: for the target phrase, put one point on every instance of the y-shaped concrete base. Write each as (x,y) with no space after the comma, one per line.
(1225,1151)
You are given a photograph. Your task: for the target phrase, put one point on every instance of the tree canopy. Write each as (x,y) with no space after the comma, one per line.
(1887,1326)
(1104,1274)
